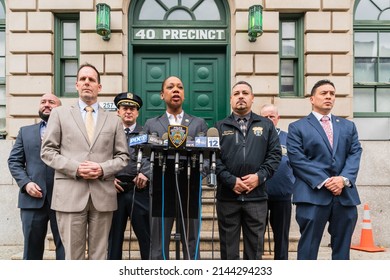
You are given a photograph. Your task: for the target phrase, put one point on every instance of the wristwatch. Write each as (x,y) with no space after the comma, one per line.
(347,183)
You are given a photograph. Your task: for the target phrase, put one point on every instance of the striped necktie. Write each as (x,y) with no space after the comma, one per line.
(243,127)
(325,122)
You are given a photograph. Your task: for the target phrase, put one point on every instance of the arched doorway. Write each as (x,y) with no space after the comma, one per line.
(188,39)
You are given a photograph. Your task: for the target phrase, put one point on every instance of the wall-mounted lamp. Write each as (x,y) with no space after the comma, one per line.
(103,21)
(255,22)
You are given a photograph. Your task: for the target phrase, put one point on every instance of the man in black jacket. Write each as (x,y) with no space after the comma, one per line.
(250,154)
(132,186)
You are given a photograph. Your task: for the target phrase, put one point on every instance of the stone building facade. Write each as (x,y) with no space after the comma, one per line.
(323,36)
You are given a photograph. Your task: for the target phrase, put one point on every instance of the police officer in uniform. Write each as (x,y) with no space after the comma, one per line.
(132,187)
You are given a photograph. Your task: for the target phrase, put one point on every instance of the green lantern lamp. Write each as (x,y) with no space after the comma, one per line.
(255,22)
(103,21)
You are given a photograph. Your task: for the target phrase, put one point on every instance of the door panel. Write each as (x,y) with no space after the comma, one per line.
(203,76)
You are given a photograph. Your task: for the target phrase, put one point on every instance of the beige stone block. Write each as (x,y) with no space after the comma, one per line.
(259,101)
(88,21)
(92,42)
(268,42)
(342,64)
(14,125)
(17,64)
(22,85)
(267,64)
(96,60)
(112,85)
(245,63)
(343,107)
(301,5)
(61,5)
(293,107)
(343,84)
(320,42)
(40,64)
(262,85)
(117,4)
(114,63)
(318,21)
(25,106)
(337,4)
(285,122)
(270,21)
(242,21)
(342,21)
(30,42)
(244,5)
(318,64)
(17,21)
(15,5)
(40,21)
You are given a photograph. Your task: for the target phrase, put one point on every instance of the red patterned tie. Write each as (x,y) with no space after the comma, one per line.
(325,121)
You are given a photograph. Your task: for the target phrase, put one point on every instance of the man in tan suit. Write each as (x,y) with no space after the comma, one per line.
(86,159)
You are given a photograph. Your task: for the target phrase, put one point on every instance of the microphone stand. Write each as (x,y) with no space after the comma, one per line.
(177,236)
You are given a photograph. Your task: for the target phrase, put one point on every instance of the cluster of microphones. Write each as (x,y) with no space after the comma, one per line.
(204,145)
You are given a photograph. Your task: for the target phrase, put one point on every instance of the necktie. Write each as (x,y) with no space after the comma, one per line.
(242,123)
(325,121)
(89,123)
(127,131)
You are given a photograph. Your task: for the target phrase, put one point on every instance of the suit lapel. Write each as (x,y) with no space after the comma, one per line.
(336,131)
(102,116)
(187,119)
(316,124)
(164,122)
(76,114)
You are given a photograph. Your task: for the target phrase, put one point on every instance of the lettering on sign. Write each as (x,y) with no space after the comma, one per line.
(179,34)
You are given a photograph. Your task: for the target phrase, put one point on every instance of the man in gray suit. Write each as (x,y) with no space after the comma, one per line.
(172,92)
(85,165)
(35,180)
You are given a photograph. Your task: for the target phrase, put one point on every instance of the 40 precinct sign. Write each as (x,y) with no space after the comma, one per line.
(185,34)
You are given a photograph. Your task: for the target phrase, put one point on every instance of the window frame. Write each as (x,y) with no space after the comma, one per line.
(298,57)
(59,58)
(377,27)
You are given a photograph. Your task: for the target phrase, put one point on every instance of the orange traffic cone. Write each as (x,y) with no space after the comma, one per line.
(366,238)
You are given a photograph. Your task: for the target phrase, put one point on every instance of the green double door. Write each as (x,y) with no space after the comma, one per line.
(204,77)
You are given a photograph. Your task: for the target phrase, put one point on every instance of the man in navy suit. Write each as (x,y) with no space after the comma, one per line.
(35,180)
(279,189)
(172,92)
(324,152)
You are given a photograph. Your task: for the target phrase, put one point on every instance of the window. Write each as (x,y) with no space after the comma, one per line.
(66,54)
(291,55)
(372,59)
(2,70)
(179,10)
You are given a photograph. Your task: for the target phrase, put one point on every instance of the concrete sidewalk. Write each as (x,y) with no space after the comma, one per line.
(16,252)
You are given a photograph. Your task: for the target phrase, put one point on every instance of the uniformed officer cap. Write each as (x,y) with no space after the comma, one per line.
(128,99)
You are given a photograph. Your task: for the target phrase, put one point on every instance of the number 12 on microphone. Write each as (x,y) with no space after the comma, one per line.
(213,142)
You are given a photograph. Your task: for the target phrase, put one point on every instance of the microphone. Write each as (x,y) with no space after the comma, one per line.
(213,142)
(154,139)
(161,158)
(141,140)
(201,142)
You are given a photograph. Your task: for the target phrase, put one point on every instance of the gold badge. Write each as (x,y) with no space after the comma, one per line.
(129,95)
(258,131)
